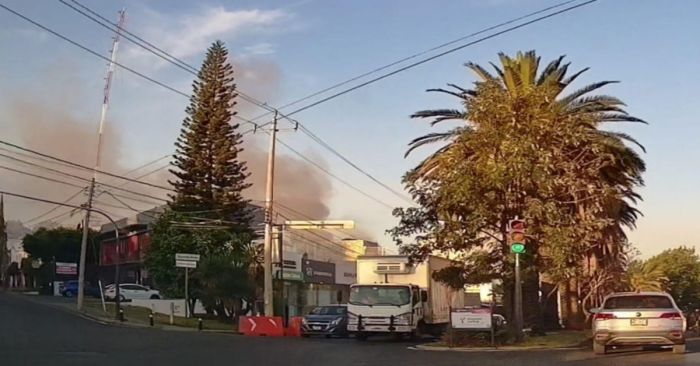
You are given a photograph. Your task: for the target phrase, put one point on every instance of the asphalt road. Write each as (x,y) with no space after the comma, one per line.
(34,334)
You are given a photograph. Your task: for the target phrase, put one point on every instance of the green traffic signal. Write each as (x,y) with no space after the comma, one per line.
(517,248)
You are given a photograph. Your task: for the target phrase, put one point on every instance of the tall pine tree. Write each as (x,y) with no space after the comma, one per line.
(210,175)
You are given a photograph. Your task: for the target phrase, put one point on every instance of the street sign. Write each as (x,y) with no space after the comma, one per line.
(66,268)
(474,319)
(517,248)
(185,264)
(187,257)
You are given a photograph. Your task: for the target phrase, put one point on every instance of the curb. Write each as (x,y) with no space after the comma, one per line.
(421,347)
(114,322)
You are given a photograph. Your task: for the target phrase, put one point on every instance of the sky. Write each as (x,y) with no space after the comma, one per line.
(284,50)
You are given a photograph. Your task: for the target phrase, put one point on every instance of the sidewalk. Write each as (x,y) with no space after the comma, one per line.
(134,316)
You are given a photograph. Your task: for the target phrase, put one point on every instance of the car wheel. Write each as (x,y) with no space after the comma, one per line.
(599,349)
(155,297)
(679,348)
(68,293)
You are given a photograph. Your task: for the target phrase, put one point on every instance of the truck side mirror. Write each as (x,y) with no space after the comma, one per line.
(423,296)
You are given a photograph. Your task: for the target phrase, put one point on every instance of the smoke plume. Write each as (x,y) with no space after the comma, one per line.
(46,118)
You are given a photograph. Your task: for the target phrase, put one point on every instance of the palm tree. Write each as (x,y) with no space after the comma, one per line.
(645,277)
(614,180)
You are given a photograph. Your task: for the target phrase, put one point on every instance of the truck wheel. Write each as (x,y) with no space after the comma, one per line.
(361,336)
(599,349)
(679,348)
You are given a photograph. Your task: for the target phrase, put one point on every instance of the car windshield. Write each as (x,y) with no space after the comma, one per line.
(328,310)
(380,295)
(638,302)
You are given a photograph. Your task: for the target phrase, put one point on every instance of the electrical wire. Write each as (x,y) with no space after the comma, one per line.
(79,165)
(441,54)
(415,55)
(341,180)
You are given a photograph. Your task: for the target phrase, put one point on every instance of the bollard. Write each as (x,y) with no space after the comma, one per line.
(199,324)
(391,324)
(172,313)
(150,319)
(121,315)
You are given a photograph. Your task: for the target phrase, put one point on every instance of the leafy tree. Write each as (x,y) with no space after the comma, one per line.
(223,283)
(680,267)
(59,244)
(523,148)
(210,175)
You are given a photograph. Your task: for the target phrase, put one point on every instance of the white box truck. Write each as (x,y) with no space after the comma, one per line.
(393,296)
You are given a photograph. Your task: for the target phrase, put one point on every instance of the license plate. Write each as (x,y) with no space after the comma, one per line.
(316,328)
(638,322)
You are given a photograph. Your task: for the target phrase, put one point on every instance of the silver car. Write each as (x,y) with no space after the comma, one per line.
(638,319)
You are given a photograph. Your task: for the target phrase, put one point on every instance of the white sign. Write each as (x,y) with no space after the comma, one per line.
(472,319)
(185,264)
(66,268)
(187,257)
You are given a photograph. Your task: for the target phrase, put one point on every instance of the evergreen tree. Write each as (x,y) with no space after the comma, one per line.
(210,175)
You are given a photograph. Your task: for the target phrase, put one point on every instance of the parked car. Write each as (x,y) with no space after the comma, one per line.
(638,319)
(329,320)
(131,291)
(70,289)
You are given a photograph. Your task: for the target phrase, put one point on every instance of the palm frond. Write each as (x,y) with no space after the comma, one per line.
(623,136)
(620,117)
(573,77)
(435,137)
(480,71)
(549,69)
(585,90)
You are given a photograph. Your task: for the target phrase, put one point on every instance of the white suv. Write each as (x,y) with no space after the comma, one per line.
(638,319)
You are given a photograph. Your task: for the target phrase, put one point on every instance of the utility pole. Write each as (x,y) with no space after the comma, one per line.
(91,190)
(269,193)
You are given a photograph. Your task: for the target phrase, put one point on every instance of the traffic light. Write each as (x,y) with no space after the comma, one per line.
(516,235)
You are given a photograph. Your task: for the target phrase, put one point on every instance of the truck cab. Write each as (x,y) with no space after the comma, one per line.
(393,295)
(386,308)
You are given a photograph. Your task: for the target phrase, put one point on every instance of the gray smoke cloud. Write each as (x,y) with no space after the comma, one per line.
(42,117)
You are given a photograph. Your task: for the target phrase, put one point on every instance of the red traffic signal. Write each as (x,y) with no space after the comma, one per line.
(516,226)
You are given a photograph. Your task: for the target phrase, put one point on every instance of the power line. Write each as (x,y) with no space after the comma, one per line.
(346,160)
(151,48)
(421,53)
(80,165)
(243,95)
(449,51)
(190,69)
(84,179)
(321,168)
(94,53)
(320,141)
(40,176)
(76,194)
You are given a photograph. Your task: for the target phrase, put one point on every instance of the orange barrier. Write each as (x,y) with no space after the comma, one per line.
(271,326)
(294,328)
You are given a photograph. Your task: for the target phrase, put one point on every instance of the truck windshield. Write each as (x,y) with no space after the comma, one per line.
(380,295)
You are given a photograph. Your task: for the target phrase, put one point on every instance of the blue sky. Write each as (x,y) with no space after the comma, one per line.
(285,50)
